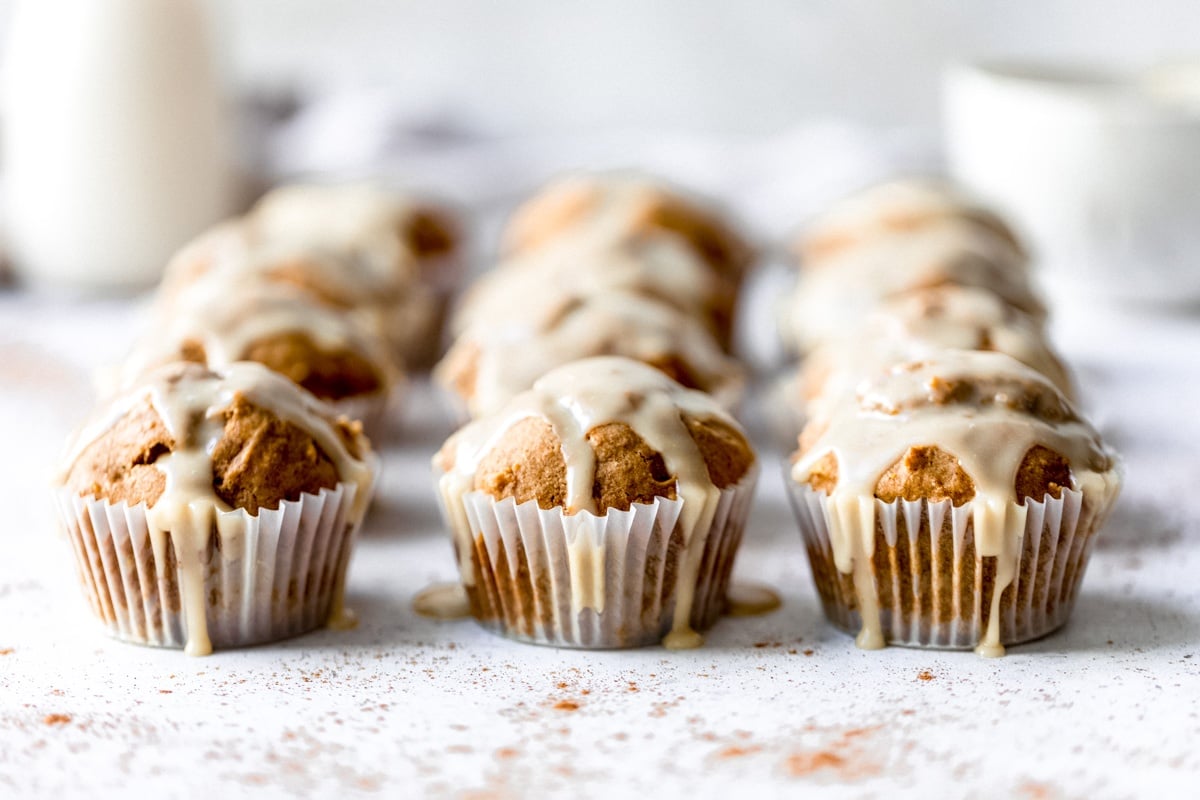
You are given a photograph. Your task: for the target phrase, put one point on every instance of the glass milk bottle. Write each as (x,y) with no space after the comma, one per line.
(114,141)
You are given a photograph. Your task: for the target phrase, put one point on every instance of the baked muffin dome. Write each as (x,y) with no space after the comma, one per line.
(492,362)
(596,447)
(393,260)
(655,267)
(895,206)
(922,323)
(382,230)
(833,301)
(259,457)
(649,433)
(957,424)
(333,355)
(613,207)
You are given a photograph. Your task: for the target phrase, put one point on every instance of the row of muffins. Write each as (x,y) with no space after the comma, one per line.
(343,288)
(599,495)
(602,503)
(947,488)
(214,497)
(602,264)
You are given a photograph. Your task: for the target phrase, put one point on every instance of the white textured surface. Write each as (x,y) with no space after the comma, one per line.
(402,705)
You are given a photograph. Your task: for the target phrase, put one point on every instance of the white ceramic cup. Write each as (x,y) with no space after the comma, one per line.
(1101,171)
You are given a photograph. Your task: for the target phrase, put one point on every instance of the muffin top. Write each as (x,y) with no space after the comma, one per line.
(492,362)
(363,219)
(615,206)
(834,300)
(215,322)
(656,267)
(922,323)
(899,205)
(961,425)
(596,434)
(239,437)
(350,246)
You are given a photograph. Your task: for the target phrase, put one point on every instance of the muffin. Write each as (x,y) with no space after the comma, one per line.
(494,361)
(920,324)
(656,267)
(902,205)
(602,508)
(832,302)
(355,247)
(953,504)
(214,508)
(331,354)
(611,207)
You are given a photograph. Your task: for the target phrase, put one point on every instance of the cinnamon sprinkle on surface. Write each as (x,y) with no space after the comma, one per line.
(57,719)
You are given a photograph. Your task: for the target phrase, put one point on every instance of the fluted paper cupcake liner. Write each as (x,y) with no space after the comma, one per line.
(596,581)
(267,577)
(933,589)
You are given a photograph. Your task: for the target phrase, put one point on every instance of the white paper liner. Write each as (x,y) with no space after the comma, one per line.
(528,586)
(1055,549)
(267,577)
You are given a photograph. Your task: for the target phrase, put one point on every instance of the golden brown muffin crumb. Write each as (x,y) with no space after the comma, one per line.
(628,471)
(331,374)
(119,466)
(823,477)
(526,464)
(926,473)
(725,450)
(1042,472)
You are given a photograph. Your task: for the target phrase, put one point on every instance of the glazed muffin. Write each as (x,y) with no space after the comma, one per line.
(832,302)
(659,268)
(919,324)
(953,504)
(902,205)
(601,508)
(494,361)
(611,207)
(214,508)
(394,259)
(331,354)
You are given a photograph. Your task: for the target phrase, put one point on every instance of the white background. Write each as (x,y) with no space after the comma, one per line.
(734,66)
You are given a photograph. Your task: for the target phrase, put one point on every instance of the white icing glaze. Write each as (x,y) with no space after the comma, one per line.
(575,266)
(228,316)
(605,208)
(903,204)
(574,399)
(833,300)
(921,324)
(989,429)
(506,356)
(191,401)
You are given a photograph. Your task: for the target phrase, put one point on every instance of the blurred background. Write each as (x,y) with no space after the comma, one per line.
(776,107)
(753,67)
